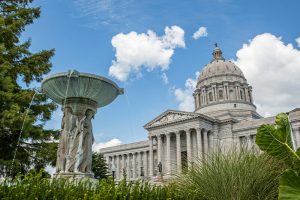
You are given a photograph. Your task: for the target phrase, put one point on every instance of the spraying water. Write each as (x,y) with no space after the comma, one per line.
(20,134)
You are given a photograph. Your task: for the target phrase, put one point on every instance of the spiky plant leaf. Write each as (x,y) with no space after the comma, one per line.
(289,186)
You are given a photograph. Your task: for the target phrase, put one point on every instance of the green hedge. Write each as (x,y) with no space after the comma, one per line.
(37,187)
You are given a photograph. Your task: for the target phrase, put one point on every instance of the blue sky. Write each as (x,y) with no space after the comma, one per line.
(257,35)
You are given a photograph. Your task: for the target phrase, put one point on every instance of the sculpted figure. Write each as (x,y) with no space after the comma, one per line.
(67,125)
(73,140)
(159,167)
(86,139)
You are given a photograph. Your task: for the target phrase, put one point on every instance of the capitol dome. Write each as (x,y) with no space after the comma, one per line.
(222,86)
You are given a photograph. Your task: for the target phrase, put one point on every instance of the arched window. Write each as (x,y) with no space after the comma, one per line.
(221,94)
(210,96)
(242,95)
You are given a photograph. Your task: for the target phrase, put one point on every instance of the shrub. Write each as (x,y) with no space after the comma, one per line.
(36,187)
(235,175)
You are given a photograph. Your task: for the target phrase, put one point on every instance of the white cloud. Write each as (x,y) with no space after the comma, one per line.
(298,41)
(145,50)
(110,143)
(201,32)
(273,69)
(164,77)
(185,96)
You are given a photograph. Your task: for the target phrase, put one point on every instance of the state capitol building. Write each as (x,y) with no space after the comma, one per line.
(224,116)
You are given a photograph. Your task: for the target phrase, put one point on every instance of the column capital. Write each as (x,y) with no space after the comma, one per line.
(198,129)
(177,133)
(168,134)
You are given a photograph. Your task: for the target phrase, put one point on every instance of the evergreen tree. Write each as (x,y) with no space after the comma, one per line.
(20,67)
(99,166)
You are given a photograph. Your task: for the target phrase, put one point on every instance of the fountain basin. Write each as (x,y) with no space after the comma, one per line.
(81,85)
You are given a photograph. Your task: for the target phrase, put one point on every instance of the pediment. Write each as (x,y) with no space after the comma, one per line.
(171,116)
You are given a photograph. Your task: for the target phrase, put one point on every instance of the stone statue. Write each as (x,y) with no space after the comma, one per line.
(159,167)
(67,125)
(84,151)
(74,154)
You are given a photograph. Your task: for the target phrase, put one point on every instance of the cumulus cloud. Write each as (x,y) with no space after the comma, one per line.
(135,52)
(298,41)
(185,96)
(201,32)
(273,69)
(110,143)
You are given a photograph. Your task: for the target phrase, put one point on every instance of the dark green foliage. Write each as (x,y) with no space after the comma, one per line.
(276,141)
(99,166)
(36,187)
(20,67)
(235,175)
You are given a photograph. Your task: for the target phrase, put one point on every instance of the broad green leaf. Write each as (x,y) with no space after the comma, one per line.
(289,186)
(276,140)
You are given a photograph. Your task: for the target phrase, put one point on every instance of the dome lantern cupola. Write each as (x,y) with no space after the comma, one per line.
(217,53)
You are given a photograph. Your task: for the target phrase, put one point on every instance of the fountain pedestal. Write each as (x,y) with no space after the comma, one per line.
(84,94)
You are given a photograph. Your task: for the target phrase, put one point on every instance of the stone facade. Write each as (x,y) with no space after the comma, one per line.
(224,117)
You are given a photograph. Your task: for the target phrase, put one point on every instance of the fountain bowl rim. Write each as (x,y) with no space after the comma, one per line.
(84,75)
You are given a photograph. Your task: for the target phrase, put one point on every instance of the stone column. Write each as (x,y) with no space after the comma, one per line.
(118,168)
(206,97)
(139,163)
(168,159)
(107,160)
(123,166)
(145,164)
(236,93)
(199,143)
(214,93)
(296,136)
(197,103)
(151,157)
(133,166)
(128,166)
(205,142)
(178,152)
(189,147)
(159,143)
(250,94)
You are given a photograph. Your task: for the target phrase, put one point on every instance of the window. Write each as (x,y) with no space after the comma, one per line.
(210,96)
(220,94)
(242,95)
(250,96)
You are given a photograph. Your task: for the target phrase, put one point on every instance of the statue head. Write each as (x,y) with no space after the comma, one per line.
(89,114)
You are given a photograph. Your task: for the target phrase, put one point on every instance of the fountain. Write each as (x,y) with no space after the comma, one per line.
(80,94)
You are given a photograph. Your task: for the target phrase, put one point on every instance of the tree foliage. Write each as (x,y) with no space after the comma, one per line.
(276,140)
(99,166)
(18,69)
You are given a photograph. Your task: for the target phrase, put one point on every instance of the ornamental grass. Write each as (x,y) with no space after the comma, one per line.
(235,175)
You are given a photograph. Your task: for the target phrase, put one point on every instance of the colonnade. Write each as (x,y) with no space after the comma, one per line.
(133,164)
(240,92)
(198,143)
(194,143)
